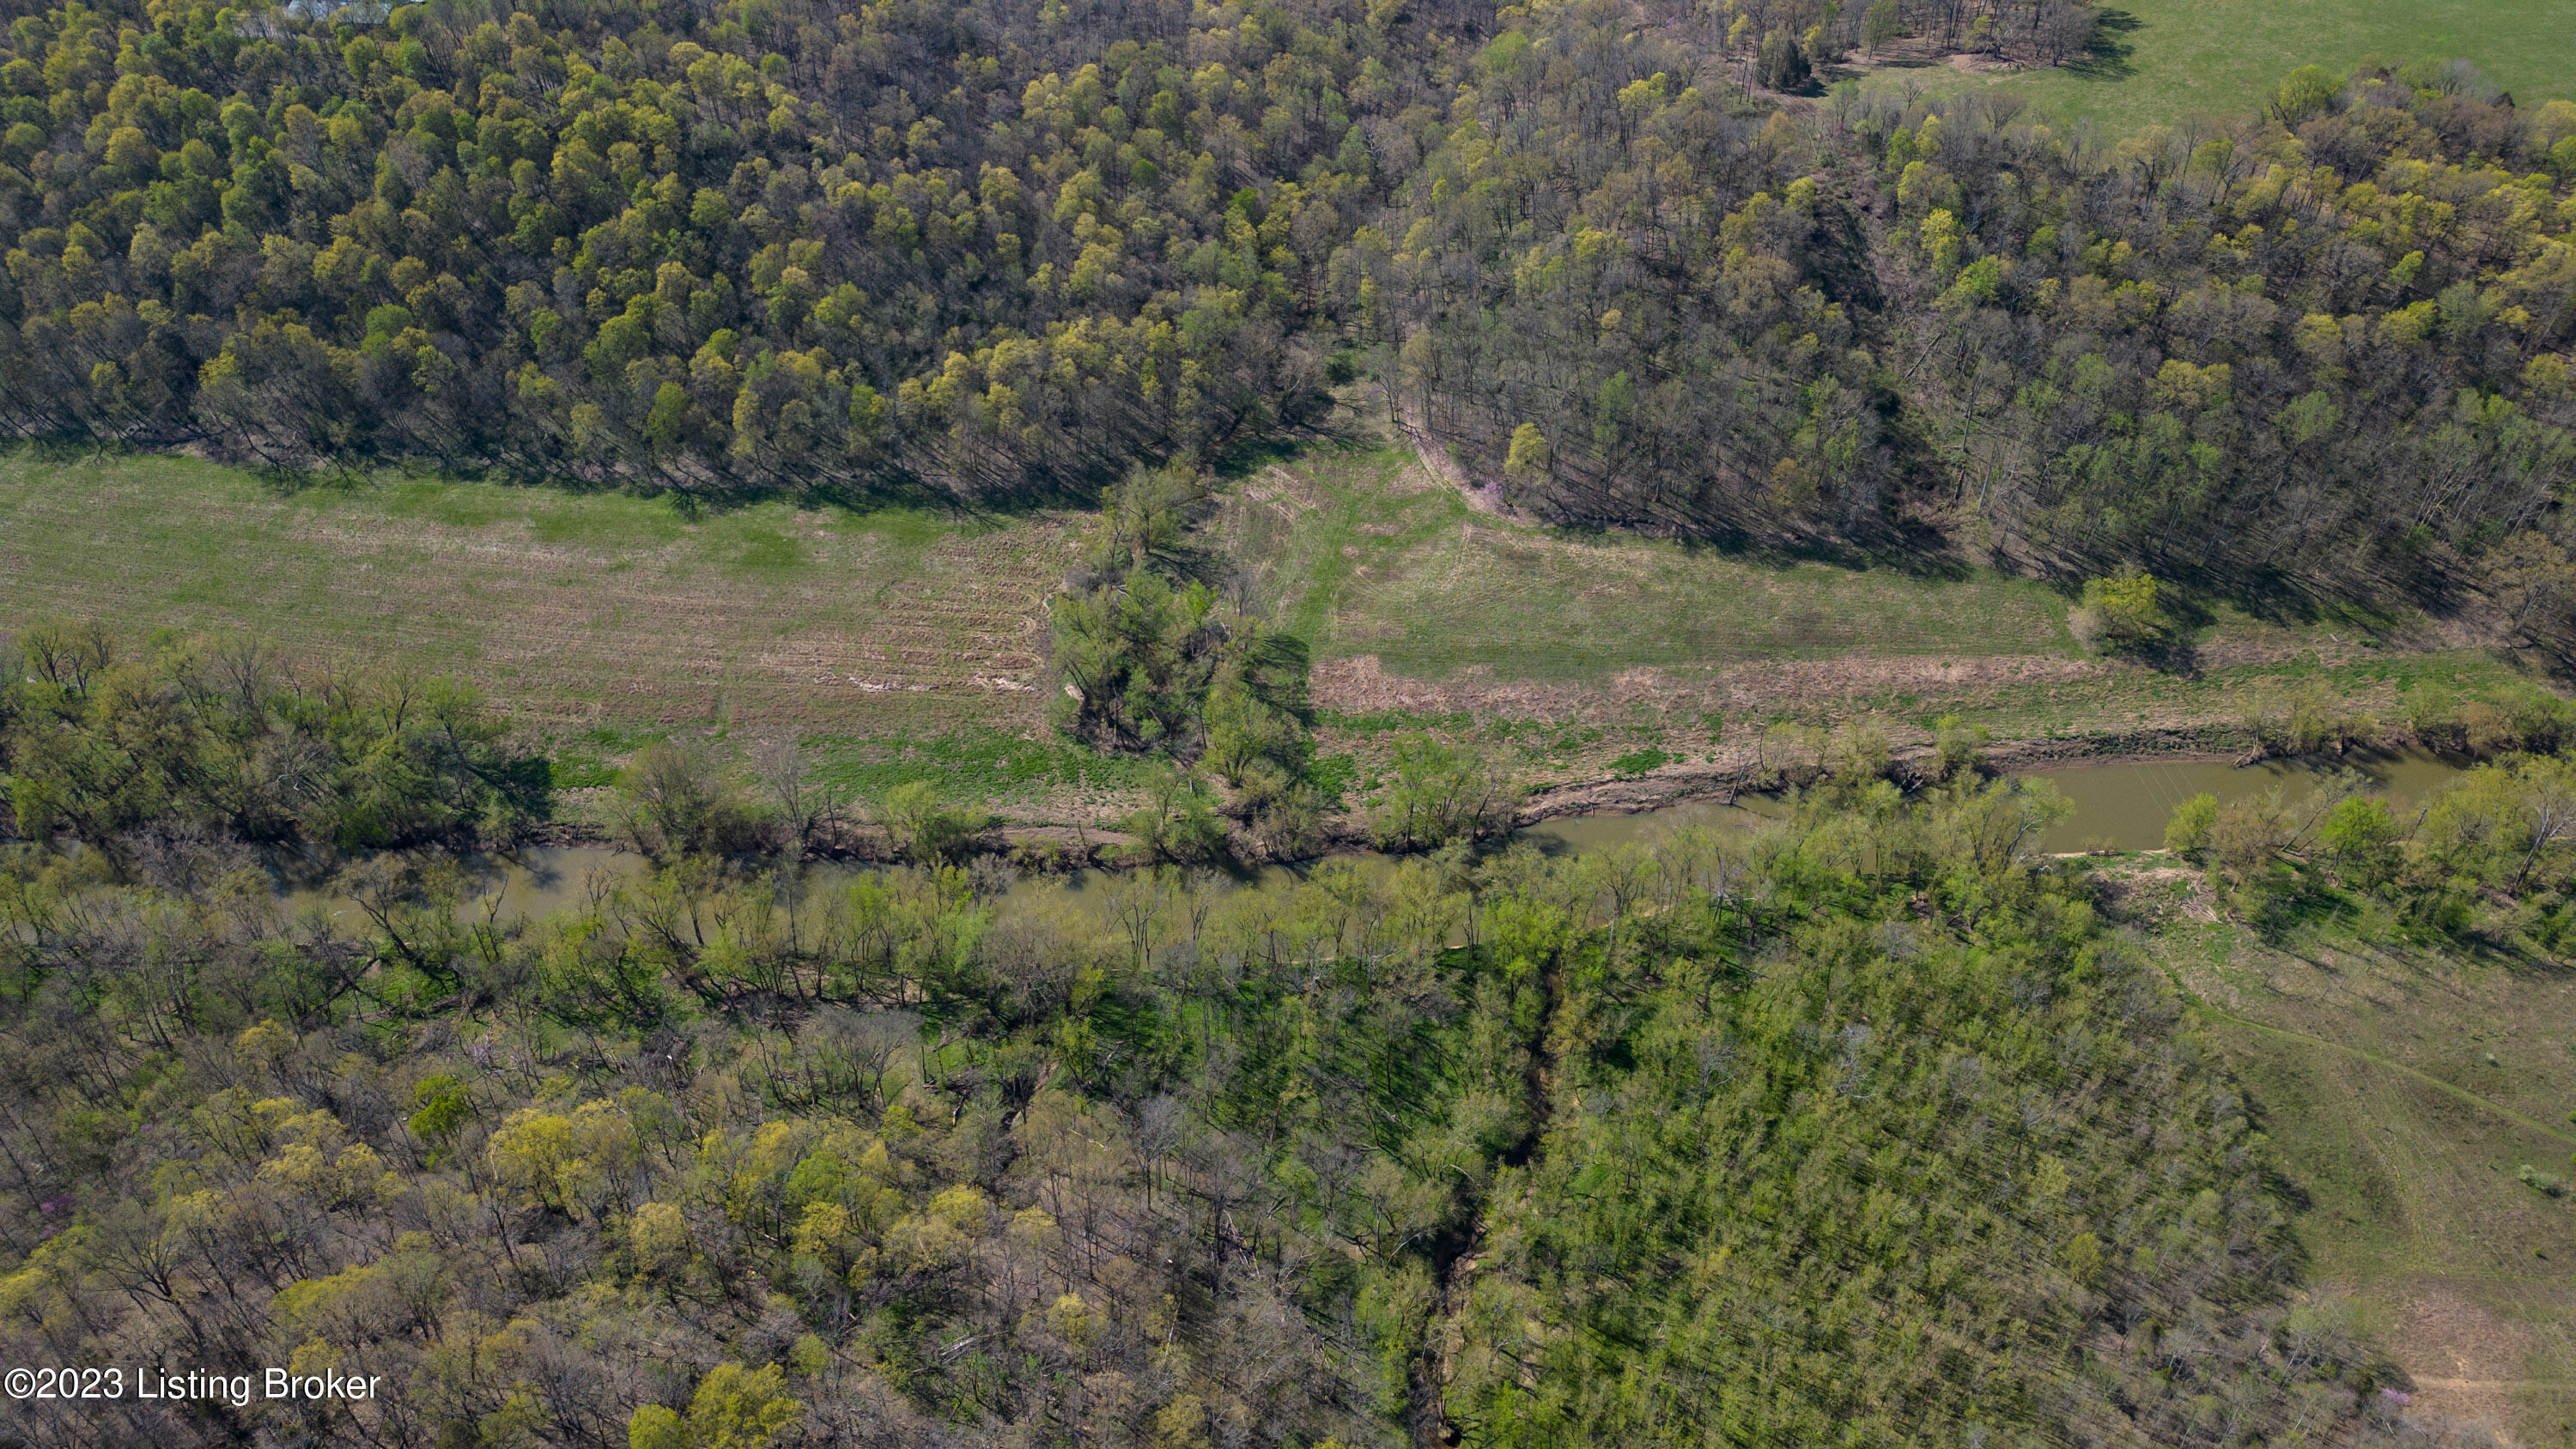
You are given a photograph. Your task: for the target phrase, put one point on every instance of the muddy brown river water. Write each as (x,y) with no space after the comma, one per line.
(2127,804)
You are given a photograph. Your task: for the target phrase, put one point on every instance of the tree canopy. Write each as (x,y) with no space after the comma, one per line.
(999,250)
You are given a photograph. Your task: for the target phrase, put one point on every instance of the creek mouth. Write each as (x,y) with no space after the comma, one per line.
(2118,805)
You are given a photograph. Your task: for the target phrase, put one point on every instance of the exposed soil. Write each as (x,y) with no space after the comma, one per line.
(1484,498)
(2467,1362)
(1359,685)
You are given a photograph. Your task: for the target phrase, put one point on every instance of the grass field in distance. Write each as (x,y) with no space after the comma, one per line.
(2163,61)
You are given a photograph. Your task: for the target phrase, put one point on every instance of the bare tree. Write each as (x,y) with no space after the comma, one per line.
(805,803)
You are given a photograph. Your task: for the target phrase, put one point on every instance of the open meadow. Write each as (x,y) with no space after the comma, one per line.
(2418,1099)
(2162,62)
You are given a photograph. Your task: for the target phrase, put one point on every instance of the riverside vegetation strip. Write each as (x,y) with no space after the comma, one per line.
(1358,1158)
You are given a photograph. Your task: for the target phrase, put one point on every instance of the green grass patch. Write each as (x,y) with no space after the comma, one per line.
(592,758)
(908,527)
(2165,61)
(1356,551)
(571,608)
(2400,1087)
(973,766)
(1334,777)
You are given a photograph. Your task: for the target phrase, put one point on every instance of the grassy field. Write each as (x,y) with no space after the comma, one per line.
(2163,61)
(1574,650)
(601,619)
(903,645)
(2403,1094)
(1360,552)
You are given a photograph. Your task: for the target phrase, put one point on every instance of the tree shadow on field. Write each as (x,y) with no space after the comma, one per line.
(1321,430)
(1904,546)
(2107,50)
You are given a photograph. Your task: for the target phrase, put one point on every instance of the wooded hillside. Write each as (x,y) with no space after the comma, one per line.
(1003,250)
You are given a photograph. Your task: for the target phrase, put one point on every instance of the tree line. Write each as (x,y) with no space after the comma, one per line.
(128,751)
(995,247)
(1004,250)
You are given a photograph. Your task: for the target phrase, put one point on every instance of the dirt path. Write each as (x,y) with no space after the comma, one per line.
(2463,1360)
(1437,462)
(2427,1078)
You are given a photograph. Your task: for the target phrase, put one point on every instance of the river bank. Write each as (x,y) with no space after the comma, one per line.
(1722,780)
(2120,800)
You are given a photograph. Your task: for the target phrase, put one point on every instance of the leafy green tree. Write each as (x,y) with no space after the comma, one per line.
(1438,792)
(926,829)
(1527,459)
(2360,833)
(2305,92)
(2187,833)
(1782,62)
(2122,612)
(1179,821)
(1880,26)
(732,1409)
(678,801)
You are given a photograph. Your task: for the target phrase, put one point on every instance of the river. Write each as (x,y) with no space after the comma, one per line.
(2127,804)
(2123,805)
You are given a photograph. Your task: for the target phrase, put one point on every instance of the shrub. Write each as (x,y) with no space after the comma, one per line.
(2187,833)
(1639,762)
(2433,715)
(1791,754)
(2123,613)
(1442,792)
(1178,821)
(1959,747)
(1857,752)
(2247,834)
(675,801)
(925,830)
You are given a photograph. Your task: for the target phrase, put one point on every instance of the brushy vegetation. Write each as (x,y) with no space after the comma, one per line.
(1148,658)
(122,752)
(1862,1120)
(2501,832)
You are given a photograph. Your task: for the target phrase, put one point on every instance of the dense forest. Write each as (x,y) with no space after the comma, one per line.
(999,251)
(2319,341)
(1865,1127)
(753,245)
